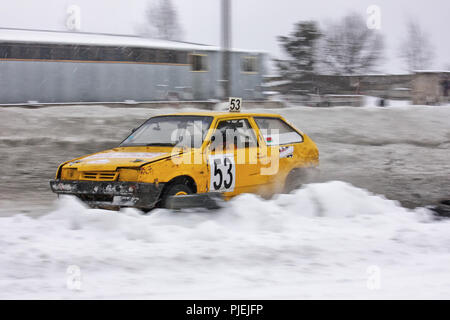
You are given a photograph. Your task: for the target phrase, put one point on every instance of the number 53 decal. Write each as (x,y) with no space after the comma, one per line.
(234,104)
(223,172)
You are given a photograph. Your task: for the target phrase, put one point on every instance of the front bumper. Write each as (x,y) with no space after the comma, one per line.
(111,193)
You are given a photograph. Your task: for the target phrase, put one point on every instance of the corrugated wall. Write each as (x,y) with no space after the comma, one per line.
(53,82)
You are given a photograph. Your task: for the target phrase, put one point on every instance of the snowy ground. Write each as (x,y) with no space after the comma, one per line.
(328,240)
(401,152)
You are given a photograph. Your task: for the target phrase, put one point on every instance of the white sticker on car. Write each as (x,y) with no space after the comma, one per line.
(97,161)
(286,152)
(122,155)
(223,172)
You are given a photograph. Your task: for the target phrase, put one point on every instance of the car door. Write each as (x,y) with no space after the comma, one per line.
(280,149)
(232,157)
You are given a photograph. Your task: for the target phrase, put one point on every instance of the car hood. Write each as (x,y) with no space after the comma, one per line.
(110,160)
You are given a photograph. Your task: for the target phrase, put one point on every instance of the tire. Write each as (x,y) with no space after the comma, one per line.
(442,210)
(174,190)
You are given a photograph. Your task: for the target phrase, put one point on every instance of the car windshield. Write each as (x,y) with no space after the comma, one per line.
(180,131)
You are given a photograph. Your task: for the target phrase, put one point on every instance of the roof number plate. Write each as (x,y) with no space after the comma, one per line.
(235,104)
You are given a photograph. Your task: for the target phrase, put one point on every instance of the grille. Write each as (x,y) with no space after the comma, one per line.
(99,176)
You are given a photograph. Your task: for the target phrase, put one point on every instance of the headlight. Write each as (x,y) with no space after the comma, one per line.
(127,174)
(69,174)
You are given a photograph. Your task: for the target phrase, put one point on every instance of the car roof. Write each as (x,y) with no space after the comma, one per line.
(220,115)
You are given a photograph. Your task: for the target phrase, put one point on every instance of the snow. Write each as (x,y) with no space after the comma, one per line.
(276,83)
(401,151)
(431,71)
(326,240)
(370,101)
(319,242)
(270,92)
(80,38)
(17,35)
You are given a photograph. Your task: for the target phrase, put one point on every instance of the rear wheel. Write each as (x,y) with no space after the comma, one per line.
(176,189)
(298,177)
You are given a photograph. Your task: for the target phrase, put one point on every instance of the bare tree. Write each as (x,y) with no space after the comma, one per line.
(349,47)
(416,49)
(162,21)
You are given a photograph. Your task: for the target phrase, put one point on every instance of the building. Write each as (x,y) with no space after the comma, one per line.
(429,87)
(71,67)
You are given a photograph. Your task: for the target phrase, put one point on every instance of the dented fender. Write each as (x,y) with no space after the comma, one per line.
(164,170)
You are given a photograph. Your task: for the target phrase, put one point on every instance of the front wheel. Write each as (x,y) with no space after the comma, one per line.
(177,189)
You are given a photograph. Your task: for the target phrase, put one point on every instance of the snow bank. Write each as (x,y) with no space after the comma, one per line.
(318,242)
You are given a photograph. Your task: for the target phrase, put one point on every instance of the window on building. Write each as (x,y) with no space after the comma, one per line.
(61,52)
(249,64)
(5,52)
(181,57)
(97,53)
(45,52)
(199,62)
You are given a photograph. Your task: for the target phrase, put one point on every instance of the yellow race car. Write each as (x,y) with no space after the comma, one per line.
(189,155)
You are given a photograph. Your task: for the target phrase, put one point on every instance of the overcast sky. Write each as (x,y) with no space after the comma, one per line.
(256,23)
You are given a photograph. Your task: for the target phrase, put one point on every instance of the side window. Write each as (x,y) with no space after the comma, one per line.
(236,133)
(199,62)
(277,132)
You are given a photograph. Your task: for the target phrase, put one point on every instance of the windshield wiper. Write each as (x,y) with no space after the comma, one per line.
(156,144)
(160,144)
